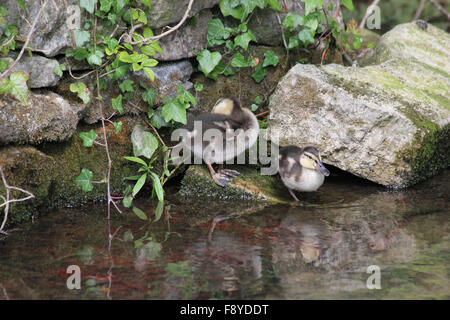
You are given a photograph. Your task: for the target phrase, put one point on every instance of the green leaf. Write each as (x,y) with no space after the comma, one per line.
(139,184)
(21,3)
(357,41)
(174,111)
(4,64)
(159,210)
(16,85)
(254,107)
(117,126)
(88,5)
(310,5)
(157,186)
(217,32)
(128,235)
(292,20)
(270,59)
(157,119)
(273,4)
(137,160)
(258,100)
(58,70)
(140,214)
(150,96)
(88,138)
(306,37)
(127,201)
(243,40)
(228,9)
(81,37)
(259,73)
(348,4)
(95,58)
(117,103)
(238,61)
(150,73)
(145,2)
(198,87)
(208,60)
(84,180)
(144,143)
(105,5)
(126,86)
(185,96)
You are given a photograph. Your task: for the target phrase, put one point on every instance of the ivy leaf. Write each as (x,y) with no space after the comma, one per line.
(157,186)
(95,58)
(243,40)
(310,5)
(208,60)
(84,180)
(198,87)
(81,37)
(217,32)
(292,20)
(357,42)
(117,126)
(270,59)
(126,86)
(227,9)
(238,61)
(88,5)
(105,5)
(306,37)
(140,214)
(117,103)
(273,4)
(139,184)
(348,4)
(259,73)
(88,138)
(81,90)
(16,85)
(149,96)
(185,96)
(144,143)
(174,111)
(127,201)
(58,70)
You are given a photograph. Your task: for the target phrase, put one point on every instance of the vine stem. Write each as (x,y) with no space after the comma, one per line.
(25,45)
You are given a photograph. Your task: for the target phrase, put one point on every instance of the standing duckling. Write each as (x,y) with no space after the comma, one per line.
(225,133)
(301,169)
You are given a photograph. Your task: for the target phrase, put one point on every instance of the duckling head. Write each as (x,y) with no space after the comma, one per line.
(310,159)
(226,106)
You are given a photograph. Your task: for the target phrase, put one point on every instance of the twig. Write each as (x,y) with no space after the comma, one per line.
(8,201)
(7,42)
(186,14)
(419,9)
(25,45)
(262,113)
(282,35)
(368,12)
(441,9)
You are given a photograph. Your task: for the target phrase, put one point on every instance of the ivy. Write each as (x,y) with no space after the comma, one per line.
(16,86)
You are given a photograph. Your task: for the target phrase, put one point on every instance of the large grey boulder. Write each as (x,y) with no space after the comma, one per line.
(47,117)
(39,70)
(388,122)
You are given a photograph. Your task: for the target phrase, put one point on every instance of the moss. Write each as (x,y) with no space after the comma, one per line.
(249,185)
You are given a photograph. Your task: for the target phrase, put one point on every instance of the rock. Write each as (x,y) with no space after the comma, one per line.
(39,69)
(265,24)
(187,41)
(48,117)
(242,84)
(249,185)
(428,47)
(167,77)
(388,123)
(29,169)
(49,171)
(163,12)
(52,34)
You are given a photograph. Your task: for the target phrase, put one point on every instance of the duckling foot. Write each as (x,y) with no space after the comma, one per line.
(302,203)
(230,173)
(220,179)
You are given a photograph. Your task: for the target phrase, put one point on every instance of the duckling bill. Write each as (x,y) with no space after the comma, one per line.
(234,129)
(301,169)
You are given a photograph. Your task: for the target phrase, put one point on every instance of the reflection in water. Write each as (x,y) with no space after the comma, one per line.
(251,251)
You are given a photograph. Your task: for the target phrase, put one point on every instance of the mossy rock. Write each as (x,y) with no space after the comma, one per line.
(249,185)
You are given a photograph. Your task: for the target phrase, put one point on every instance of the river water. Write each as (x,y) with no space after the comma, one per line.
(207,249)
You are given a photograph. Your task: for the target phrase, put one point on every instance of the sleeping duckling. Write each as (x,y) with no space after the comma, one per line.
(301,169)
(224,133)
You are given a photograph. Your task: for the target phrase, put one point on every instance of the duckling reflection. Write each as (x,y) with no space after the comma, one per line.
(235,129)
(301,169)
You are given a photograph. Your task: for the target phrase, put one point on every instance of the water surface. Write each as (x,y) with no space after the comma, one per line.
(250,251)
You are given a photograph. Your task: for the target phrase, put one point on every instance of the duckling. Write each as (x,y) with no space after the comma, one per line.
(301,169)
(225,133)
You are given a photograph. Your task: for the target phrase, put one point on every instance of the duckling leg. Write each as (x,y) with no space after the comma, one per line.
(293,195)
(228,172)
(219,178)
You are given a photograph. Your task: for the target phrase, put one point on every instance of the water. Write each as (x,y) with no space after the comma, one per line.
(253,251)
